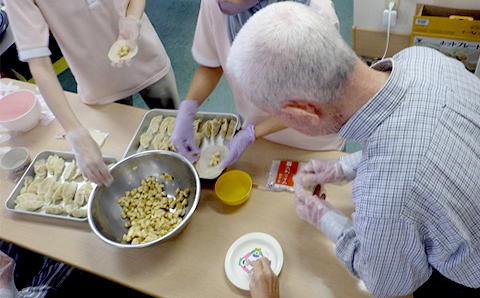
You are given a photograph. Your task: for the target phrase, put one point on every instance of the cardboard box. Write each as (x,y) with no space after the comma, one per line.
(454,32)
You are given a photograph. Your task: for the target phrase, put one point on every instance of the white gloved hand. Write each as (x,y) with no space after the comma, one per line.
(7,283)
(129,29)
(320,171)
(311,207)
(89,157)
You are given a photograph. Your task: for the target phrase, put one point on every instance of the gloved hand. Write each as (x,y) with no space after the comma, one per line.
(311,207)
(88,156)
(182,136)
(7,284)
(129,29)
(319,171)
(238,144)
(264,282)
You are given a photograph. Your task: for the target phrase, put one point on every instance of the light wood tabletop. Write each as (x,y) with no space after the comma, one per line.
(192,263)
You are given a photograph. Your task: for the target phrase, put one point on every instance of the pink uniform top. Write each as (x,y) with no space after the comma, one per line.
(211,46)
(85,30)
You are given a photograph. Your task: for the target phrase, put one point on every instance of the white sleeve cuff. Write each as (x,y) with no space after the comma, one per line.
(205,62)
(333,223)
(349,164)
(25,55)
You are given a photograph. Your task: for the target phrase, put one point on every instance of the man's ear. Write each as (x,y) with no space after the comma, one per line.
(302,111)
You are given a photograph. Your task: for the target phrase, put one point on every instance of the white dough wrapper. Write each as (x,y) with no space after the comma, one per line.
(206,171)
(114,52)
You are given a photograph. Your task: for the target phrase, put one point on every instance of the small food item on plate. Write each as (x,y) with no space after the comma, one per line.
(79,212)
(214,159)
(231,129)
(45,185)
(26,182)
(68,192)
(155,123)
(124,50)
(70,170)
(40,168)
(54,209)
(215,127)
(150,212)
(55,165)
(51,191)
(57,195)
(70,207)
(26,197)
(166,176)
(32,188)
(135,168)
(145,139)
(223,128)
(30,205)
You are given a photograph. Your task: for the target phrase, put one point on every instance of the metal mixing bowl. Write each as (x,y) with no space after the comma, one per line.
(104,211)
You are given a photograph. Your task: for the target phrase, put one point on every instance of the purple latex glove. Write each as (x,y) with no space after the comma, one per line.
(319,171)
(182,136)
(238,144)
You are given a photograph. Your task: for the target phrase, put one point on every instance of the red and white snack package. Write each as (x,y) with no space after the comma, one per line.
(280,176)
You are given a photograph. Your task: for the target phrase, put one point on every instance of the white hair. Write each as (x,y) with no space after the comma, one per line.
(289,51)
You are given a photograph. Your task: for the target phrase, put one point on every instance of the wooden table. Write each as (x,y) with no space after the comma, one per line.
(192,264)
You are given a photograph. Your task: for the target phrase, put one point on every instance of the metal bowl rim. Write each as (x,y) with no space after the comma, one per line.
(166,236)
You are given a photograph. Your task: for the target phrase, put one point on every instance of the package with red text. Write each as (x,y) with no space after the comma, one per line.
(281,175)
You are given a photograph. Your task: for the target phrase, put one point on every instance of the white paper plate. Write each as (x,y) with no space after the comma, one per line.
(245,244)
(211,172)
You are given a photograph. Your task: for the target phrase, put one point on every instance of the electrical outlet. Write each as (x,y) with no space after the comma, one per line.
(397,2)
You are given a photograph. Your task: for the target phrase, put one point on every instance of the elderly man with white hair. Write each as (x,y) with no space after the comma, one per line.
(416,185)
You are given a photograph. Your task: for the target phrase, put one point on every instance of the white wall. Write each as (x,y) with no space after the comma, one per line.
(368,13)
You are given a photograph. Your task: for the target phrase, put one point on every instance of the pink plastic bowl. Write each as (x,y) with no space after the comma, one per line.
(20,110)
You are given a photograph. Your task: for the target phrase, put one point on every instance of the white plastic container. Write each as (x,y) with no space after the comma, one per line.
(20,110)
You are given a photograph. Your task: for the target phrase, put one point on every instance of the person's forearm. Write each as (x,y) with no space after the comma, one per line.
(136,8)
(204,81)
(51,90)
(267,126)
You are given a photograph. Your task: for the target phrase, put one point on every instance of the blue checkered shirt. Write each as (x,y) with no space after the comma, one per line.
(417,180)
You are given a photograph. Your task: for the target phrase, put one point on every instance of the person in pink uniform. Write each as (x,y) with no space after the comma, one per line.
(85,30)
(218,22)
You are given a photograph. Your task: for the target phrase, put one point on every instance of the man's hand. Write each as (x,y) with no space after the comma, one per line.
(311,207)
(319,171)
(264,282)
(89,157)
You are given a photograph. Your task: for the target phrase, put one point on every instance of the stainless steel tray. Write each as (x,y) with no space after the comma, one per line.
(68,157)
(134,146)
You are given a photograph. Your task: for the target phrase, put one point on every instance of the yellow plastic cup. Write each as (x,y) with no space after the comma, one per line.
(233,187)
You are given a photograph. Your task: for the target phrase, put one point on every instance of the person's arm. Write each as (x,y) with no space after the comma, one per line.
(267,126)
(47,81)
(87,153)
(203,83)
(135,8)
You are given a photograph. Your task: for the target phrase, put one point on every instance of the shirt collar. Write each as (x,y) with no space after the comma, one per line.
(366,120)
